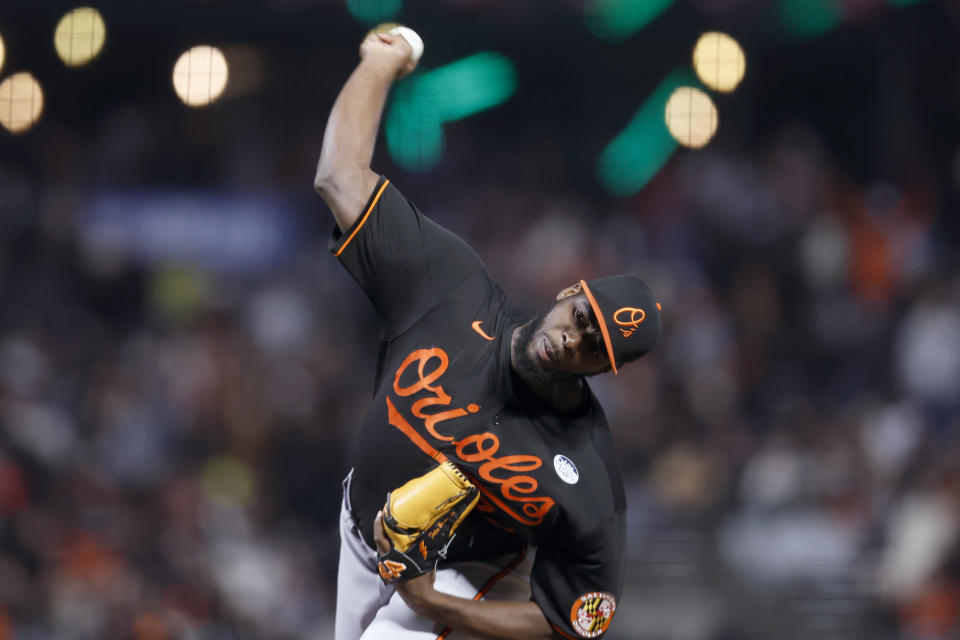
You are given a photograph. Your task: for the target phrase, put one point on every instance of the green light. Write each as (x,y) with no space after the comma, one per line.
(631,159)
(374,10)
(414,129)
(422,104)
(615,20)
(468,86)
(809,18)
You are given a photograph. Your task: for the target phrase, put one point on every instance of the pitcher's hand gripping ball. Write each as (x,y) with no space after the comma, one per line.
(421,518)
(412,38)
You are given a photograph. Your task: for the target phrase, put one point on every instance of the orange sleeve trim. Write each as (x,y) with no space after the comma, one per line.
(397,420)
(363,220)
(492,581)
(603,324)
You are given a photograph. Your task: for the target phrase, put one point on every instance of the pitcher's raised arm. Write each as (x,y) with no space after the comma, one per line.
(344,177)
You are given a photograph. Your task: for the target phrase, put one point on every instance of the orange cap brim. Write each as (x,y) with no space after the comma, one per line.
(602,323)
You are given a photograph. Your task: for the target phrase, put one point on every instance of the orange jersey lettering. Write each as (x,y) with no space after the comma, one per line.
(504,472)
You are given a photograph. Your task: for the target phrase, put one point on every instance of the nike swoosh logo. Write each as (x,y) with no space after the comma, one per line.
(476,327)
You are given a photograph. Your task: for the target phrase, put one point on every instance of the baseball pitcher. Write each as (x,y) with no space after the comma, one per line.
(485,498)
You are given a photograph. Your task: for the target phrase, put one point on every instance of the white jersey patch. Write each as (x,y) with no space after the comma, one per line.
(566,469)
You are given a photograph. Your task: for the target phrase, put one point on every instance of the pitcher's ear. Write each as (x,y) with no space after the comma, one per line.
(569,291)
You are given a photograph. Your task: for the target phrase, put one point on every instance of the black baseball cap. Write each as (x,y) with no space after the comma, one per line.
(628,316)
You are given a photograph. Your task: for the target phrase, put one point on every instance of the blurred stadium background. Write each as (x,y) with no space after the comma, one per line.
(182,363)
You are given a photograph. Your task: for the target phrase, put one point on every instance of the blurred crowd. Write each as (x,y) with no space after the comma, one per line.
(175,423)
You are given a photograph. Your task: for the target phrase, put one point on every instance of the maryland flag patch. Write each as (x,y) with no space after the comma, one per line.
(592,612)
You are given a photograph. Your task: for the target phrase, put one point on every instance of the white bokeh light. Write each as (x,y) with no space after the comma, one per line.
(200,75)
(80,36)
(691,117)
(21,102)
(719,61)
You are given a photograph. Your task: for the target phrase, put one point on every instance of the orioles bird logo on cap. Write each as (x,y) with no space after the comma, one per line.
(629,325)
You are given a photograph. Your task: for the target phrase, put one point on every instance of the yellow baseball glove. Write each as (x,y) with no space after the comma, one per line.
(421,518)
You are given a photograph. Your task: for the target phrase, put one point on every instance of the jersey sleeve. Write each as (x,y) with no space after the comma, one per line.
(577,582)
(404,261)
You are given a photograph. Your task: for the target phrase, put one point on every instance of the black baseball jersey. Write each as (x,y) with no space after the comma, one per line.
(445,388)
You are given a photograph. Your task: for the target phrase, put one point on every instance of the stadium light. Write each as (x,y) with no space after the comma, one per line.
(414,131)
(691,117)
(374,10)
(616,20)
(21,102)
(422,104)
(638,152)
(719,61)
(809,18)
(468,86)
(79,36)
(200,75)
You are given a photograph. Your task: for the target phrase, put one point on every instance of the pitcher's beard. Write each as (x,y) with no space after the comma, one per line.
(526,367)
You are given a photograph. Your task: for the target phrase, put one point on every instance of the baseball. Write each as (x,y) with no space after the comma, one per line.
(412,38)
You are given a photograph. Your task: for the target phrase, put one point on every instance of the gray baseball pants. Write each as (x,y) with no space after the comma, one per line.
(367,609)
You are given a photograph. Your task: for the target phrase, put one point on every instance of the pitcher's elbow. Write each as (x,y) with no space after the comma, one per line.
(324,182)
